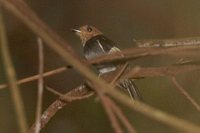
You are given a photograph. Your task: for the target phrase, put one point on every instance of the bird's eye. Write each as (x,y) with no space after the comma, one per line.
(89,29)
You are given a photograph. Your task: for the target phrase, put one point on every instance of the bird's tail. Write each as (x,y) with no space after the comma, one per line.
(132,89)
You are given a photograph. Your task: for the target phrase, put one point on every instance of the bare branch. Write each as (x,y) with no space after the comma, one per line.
(79,93)
(182,90)
(194,41)
(40,85)
(54,91)
(137,53)
(121,116)
(11,77)
(35,77)
(120,73)
(110,112)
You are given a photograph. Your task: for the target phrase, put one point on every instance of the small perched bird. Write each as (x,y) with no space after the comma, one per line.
(96,44)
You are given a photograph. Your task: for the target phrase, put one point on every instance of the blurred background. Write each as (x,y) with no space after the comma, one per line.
(121,22)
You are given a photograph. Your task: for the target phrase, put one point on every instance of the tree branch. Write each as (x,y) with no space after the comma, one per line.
(35,77)
(184,92)
(193,41)
(78,93)
(11,77)
(137,53)
(121,116)
(40,85)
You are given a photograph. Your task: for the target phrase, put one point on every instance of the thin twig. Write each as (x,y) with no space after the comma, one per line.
(68,97)
(35,77)
(121,116)
(77,97)
(22,11)
(54,91)
(110,112)
(119,74)
(185,93)
(40,85)
(11,77)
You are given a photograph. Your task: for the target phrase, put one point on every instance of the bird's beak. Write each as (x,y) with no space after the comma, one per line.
(76,31)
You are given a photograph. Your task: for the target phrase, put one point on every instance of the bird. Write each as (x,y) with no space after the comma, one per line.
(96,44)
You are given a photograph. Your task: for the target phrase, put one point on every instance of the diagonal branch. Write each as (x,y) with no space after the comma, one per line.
(121,116)
(35,77)
(11,77)
(110,112)
(182,90)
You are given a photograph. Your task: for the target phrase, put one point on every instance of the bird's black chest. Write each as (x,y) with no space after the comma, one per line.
(97,46)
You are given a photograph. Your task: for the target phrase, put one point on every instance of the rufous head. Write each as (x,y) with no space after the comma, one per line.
(86,32)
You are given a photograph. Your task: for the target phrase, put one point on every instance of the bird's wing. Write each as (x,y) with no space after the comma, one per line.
(107,45)
(99,45)
(114,49)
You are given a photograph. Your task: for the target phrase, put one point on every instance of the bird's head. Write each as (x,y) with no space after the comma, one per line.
(86,32)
